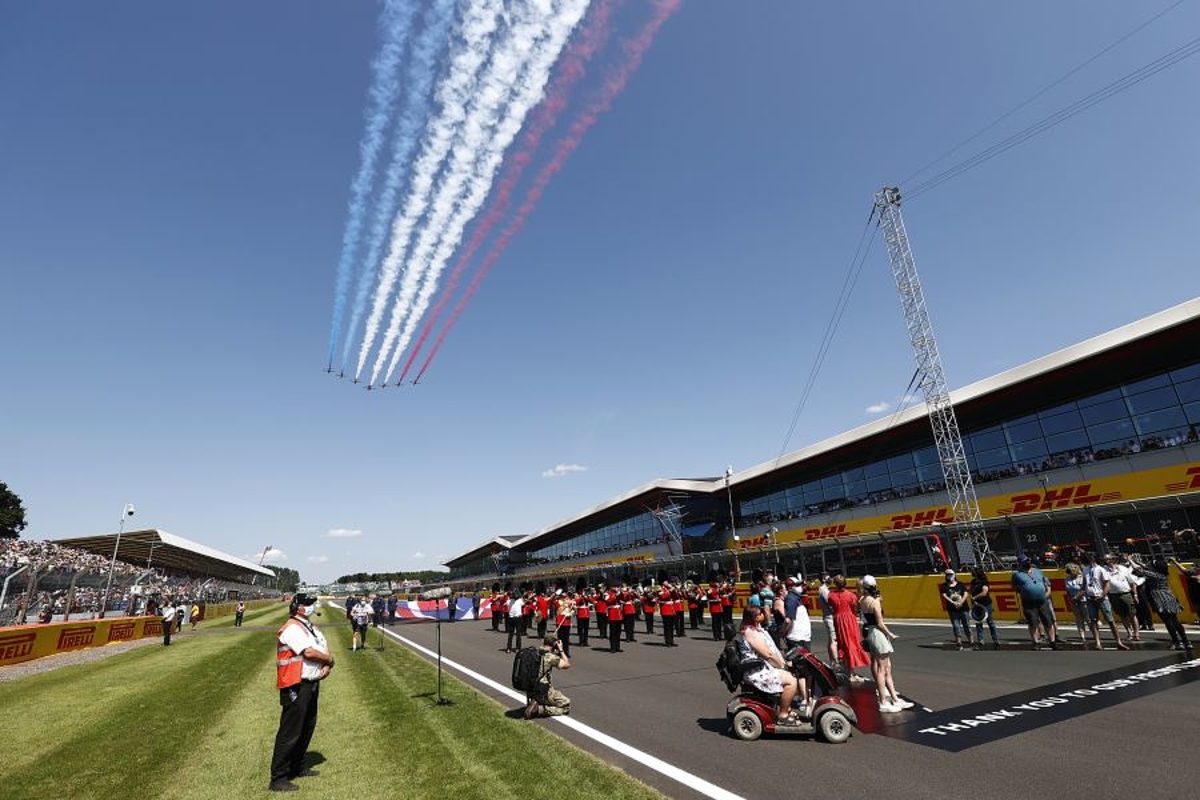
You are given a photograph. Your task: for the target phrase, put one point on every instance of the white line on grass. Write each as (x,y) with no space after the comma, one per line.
(629,751)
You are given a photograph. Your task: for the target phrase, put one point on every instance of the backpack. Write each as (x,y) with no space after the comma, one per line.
(729,666)
(527,669)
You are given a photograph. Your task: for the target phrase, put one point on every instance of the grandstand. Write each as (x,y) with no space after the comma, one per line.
(1092,447)
(66,578)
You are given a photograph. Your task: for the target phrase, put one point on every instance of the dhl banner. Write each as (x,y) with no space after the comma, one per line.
(1130,486)
(26,642)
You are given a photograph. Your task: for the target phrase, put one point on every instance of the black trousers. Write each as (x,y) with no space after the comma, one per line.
(668,631)
(564,636)
(297,721)
(614,636)
(541,627)
(512,625)
(697,617)
(649,615)
(237,619)
(717,618)
(495,618)
(166,629)
(629,620)
(602,625)
(582,622)
(679,624)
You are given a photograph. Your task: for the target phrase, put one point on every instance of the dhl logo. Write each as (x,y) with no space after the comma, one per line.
(826,532)
(81,636)
(121,632)
(153,627)
(1058,497)
(922,519)
(18,646)
(754,541)
(1193,482)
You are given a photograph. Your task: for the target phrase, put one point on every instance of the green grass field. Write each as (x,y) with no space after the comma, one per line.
(197,720)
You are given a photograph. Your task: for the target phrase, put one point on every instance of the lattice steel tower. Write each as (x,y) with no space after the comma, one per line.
(971,538)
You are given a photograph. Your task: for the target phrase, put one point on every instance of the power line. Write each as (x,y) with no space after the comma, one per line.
(1040,92)
(1116,87)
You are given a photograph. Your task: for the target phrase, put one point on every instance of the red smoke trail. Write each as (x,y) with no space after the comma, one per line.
(612,87)
(593,36)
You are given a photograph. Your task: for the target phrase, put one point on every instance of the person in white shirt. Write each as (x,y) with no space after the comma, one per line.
(168,620)
(827,616)
(302,662)
(1095,591)
(1123,596)
(514,624)
(360,620)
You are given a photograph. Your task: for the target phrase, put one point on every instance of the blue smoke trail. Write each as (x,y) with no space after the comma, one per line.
(421,74)
(394,23)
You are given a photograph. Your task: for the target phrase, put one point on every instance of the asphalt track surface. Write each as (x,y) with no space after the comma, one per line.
(670,704)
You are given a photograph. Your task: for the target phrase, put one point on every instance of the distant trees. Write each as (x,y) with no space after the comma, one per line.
(424,576)
(286,580)
(12,513)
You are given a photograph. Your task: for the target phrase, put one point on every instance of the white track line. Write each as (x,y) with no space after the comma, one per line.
(629,751)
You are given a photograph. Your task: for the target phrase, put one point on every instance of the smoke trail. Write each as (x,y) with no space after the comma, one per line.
(478,24)
(394,24)
(530,74)
(590,39)
(612,87)
(421,73)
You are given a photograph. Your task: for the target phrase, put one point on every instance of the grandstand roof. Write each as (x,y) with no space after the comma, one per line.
(162,549)
(486,549)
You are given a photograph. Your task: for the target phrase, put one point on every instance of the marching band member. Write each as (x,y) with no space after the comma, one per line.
(615,618)
(668,614)
(628,611)
(648,609)
(583,613)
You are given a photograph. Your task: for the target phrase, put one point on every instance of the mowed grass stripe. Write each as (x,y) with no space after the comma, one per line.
(232,758)
(474,748)
(131,743)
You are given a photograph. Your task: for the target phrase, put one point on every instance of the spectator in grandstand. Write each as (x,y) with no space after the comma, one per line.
(851,655)
(1034,590)
(981,606)
(1095,589)
(771,674)
(954,596)
(303,661)
(548,701)
(1157,587)
(1122,594)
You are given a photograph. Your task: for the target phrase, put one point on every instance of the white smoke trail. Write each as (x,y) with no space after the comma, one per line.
(523,81)
(394,24)
(478,24)
(421,72)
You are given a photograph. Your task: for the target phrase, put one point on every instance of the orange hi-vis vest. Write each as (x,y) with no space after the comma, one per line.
(288,663)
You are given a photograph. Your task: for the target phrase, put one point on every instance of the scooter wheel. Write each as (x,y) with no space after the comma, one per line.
(746,725)
(834,727)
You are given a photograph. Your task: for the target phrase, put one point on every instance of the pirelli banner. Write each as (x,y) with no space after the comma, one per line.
(26,642)
(1130,486)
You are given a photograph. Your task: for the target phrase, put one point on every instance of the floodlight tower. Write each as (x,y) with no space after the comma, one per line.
(971,537)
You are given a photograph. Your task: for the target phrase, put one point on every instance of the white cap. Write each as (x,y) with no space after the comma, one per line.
(868,580)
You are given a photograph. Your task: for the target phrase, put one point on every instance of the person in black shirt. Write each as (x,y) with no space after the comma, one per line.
(955,596)
(981,606)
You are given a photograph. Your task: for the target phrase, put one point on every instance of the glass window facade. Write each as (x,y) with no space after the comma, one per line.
(641,530)
(1159,411)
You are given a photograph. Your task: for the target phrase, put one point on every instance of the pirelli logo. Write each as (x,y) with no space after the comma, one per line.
(1058,497)
(153,627)
(76,636)
(16,647)
(122,632)
(1192,482)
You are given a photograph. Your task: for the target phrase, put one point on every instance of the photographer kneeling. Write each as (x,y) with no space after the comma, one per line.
(548,701)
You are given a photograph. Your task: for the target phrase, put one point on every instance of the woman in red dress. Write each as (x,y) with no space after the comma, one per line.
(845,622)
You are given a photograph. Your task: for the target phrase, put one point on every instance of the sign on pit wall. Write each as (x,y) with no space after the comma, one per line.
(27,642)
(1130,486)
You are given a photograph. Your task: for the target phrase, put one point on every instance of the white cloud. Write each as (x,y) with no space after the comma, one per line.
(418,555)
(343,533)
(317,559)
(878,408)
(563,469)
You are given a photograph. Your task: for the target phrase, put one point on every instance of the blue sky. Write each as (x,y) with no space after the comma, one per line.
(175,182)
